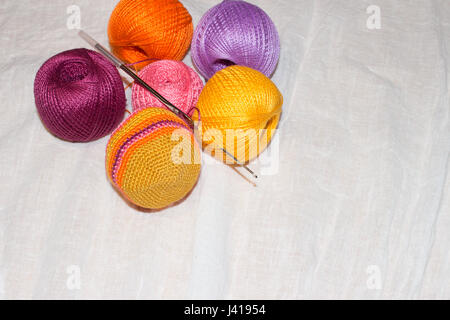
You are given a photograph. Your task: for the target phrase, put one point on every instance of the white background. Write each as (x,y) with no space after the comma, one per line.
(359,207)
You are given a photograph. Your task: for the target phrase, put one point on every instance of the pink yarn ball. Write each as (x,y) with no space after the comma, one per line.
(174,80)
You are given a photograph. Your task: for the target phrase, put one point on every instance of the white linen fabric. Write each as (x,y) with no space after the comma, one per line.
(357,206)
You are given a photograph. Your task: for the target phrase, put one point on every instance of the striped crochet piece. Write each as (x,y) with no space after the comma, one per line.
(153,158)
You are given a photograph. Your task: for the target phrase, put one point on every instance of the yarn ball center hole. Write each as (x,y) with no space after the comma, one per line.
(268,125)
(139,51)
(73,71)
(269,122)
(221,64)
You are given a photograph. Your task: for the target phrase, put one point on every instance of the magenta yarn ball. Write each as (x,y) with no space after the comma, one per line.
(174,80)
(235,33)
(79,95)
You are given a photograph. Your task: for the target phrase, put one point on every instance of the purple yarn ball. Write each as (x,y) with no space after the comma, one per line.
(79,95)
(235,32)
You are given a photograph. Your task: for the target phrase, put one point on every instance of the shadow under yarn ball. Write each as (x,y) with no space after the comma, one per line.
(149,29)
(235,33)
(79,95)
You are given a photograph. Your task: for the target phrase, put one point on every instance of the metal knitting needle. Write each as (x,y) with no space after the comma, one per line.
(119,64)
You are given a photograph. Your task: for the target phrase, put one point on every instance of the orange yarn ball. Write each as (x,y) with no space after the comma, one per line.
(150,29)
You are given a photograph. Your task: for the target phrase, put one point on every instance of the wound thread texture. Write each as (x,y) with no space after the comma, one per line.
(235,33)
(240,108)
(174,80)
(79,95)
(142,158)
(149,29)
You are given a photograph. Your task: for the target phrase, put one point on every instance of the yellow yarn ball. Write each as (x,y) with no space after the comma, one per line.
(239,110)
(153,158)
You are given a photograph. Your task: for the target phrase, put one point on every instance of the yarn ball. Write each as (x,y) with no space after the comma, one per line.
(153,158)
(240,108)
(79,95)
(149,29)
(235,33)
(174,80)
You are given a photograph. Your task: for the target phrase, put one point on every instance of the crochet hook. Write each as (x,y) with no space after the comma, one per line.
(121,65)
